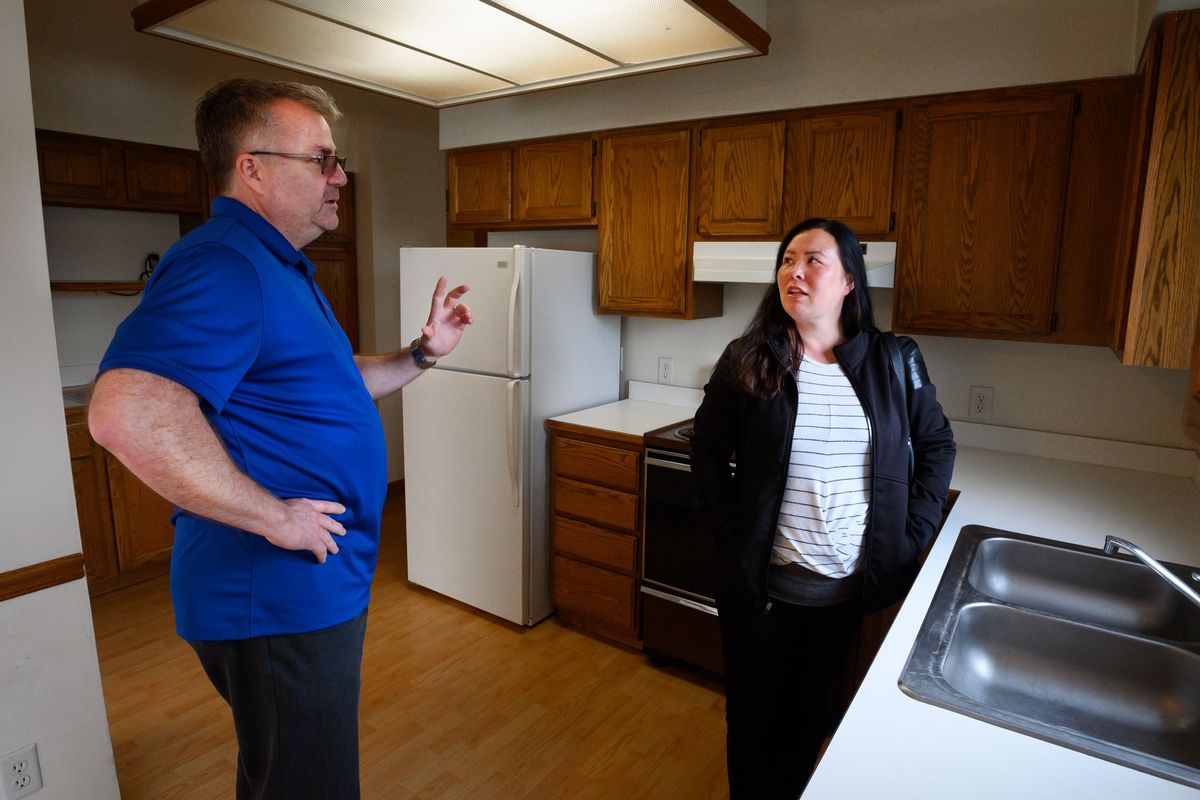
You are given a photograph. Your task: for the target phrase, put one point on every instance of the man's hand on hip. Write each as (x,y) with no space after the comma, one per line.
(308,526)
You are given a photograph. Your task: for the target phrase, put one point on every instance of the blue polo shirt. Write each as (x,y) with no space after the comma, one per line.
(232,312)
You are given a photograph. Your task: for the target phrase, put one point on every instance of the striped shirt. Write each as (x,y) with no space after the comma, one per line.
(826,497)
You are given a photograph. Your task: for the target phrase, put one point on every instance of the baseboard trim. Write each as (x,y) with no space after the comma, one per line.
(35,577)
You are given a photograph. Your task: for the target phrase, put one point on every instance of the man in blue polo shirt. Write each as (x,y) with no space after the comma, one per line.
(233,392)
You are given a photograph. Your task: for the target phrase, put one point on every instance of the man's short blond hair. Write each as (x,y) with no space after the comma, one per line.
(234,110)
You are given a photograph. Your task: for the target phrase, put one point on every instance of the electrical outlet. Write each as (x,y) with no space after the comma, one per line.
(665,365)
(22,773)
(980,407)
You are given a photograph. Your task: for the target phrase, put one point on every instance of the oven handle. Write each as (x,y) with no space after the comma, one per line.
(683,601)
(653,459)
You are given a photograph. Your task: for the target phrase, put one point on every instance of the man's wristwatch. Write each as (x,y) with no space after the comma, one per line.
(419,358)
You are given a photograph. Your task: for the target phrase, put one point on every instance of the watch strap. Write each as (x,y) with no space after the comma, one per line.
(418,356)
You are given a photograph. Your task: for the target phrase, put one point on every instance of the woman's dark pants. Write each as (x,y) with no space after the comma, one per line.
(784,673)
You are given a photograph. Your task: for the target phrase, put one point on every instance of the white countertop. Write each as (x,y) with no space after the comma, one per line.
(649,406)
(892,746)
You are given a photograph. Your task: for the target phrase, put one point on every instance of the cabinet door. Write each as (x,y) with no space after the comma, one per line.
(163,179)
(643,266)
(92,502)
(1096,234)
(840,166)
(480,185)
(740,190)
(553,181)
(1165,294)
(141,519)
(337,276)
(78,170)
(984,186)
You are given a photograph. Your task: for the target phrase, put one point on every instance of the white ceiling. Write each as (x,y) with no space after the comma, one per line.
(447,52)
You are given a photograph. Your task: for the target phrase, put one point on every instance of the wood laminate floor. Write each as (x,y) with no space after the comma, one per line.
(455,705)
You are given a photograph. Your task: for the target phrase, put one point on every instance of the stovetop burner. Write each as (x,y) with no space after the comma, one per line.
(675,438)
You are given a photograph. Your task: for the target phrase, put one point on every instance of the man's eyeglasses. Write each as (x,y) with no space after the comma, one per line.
(326,161)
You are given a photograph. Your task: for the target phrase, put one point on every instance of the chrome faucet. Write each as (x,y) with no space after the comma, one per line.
(1111,543)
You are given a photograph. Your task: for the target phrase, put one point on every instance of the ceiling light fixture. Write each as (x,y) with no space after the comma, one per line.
(457,51)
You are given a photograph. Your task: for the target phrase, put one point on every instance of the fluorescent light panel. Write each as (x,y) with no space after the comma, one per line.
(632,32)
(453,51)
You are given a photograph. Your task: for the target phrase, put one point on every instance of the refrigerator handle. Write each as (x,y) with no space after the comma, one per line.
(513,354)
(514,441)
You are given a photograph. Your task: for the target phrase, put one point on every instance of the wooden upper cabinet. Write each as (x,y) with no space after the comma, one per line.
(171,179)
(984,185)
(552,181)
(840,166)
(740,185)
(1165,290)
(91,172)
(643,266)
(78,170)
(1097,229)
(480,184)
(547,184)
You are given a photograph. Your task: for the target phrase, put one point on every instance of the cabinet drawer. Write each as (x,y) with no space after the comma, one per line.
(602,596)
(596,503)
(596,463)
(597,545)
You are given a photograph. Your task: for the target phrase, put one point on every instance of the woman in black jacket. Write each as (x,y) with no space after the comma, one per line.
(828,509)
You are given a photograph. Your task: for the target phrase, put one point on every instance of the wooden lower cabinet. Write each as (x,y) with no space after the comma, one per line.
(595,479)
(124,527)
(141,519)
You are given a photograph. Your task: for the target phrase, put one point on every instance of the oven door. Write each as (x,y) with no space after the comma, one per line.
(679,582)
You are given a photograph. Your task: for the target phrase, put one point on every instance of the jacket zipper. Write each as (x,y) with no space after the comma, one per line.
(783,484)
(870,526)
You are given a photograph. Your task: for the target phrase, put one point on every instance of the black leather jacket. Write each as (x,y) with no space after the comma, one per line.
(742,510)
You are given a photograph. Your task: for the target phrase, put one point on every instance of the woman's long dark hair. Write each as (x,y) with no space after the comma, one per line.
(755,368)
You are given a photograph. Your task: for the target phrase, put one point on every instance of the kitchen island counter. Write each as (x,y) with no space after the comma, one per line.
(892,746)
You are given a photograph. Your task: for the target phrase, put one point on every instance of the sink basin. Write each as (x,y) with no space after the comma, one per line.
(1066,644)
(1085,586)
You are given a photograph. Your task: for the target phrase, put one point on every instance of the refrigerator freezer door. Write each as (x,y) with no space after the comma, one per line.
(466,457)
(498,341)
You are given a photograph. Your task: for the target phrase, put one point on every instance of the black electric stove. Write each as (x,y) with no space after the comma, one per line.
(679,613)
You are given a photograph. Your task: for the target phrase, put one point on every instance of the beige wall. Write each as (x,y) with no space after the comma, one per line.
(92,73)
(49,677)
(836,51)
(832,51)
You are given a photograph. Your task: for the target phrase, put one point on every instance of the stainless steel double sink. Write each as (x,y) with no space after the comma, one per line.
(1091,651)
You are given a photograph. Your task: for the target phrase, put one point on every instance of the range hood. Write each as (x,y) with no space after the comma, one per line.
(754,262)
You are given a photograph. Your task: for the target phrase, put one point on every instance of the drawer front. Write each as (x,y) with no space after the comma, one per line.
(595,593)
(596,503)
(596,463)
(79,443)
(597,545)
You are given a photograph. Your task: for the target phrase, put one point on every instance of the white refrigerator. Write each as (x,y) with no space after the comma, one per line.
(475,486)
